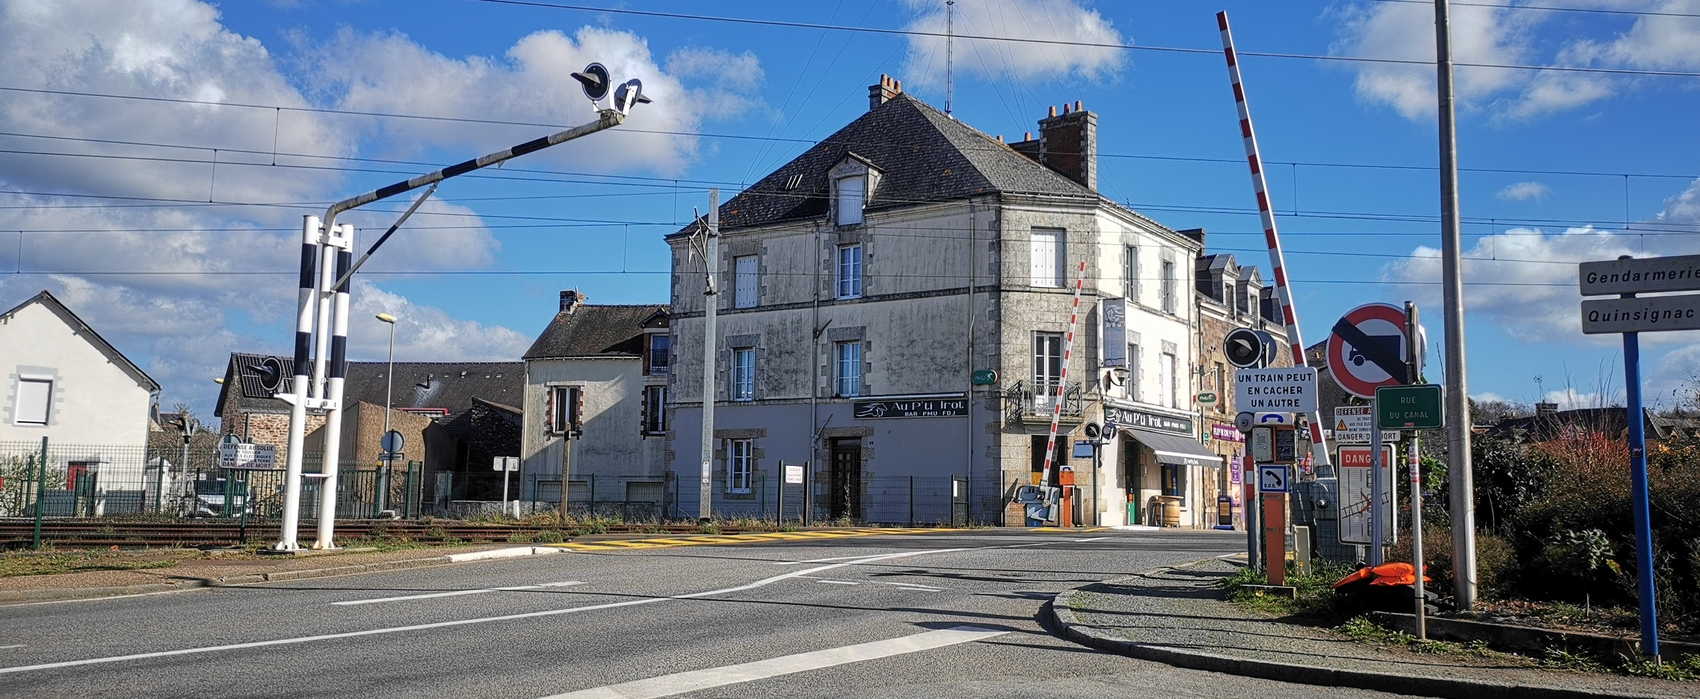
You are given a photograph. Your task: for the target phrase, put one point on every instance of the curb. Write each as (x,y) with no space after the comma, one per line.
(1446,688)
(76,593)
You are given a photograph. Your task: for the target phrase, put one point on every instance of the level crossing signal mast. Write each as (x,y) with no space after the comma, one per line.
(321,330)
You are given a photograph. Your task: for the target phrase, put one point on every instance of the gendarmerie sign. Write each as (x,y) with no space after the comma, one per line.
(926,407)
(1142,420)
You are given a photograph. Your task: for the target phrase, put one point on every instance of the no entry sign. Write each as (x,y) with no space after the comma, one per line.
(1367,349)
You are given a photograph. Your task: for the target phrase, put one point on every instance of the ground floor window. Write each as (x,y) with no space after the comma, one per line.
(740,465)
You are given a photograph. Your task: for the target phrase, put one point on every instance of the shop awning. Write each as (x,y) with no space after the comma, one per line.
(1175,449)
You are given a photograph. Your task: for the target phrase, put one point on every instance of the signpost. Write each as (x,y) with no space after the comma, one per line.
(507,465)
(1367,349)
(1352,425)
(1632,316)
(1409,407)
(253,457)
(1289,390)
(1357,493)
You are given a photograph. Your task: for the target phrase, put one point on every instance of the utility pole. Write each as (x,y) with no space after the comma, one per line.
(710,303)
(1462,491)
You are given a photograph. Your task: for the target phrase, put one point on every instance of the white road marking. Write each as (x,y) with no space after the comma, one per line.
(462,622)
(816,560)
(513,552)
(913,586)
(457,593)
(20,645)
(838,582)
(669,685)
(1095,538)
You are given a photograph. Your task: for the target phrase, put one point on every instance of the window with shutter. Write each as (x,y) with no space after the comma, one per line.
(1048,258)
(746,280)
(35,401)
(852,194)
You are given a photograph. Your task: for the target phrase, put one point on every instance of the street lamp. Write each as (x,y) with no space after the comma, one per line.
(389,390)
(189,425)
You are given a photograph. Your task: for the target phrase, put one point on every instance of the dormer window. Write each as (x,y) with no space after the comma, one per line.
(853,180)
(852,195)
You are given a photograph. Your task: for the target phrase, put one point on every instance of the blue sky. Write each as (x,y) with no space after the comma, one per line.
(117,204)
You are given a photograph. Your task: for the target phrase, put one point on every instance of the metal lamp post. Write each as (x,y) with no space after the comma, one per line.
(190,426)
(389,390)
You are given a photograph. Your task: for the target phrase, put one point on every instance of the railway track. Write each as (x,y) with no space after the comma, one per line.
(88,533)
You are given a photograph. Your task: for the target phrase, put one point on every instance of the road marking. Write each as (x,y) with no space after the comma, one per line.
(1095,538)
(457,593)
(680,683)
(913,586)
(462,622)
(838,582)
(20,645)
(817,560)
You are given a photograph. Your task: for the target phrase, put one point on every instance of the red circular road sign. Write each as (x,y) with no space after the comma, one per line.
(1366,350)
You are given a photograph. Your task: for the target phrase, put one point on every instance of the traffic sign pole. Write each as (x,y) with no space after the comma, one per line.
(1414,370)
(1638,494)
(1377,526)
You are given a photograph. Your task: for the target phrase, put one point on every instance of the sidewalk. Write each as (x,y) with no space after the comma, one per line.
(192,569)
(1178,617)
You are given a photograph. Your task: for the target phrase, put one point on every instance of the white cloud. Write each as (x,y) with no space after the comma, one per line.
(532,84)
(1524,191)
(1052,20)
(1524,280)
(1397,31)
(423,333)
(1505,35)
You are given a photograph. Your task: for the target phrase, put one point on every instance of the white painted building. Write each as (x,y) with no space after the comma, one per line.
(66,383)
(595,407)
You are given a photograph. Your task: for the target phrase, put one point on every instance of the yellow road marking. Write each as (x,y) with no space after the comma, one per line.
(712,540)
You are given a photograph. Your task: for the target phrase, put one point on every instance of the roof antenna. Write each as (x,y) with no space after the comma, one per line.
(949,55)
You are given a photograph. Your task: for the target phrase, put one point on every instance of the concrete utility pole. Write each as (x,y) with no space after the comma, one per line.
(710,304)
(1462,491)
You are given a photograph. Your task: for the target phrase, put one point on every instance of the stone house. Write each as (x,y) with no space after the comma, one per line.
(868,282)
(595,407)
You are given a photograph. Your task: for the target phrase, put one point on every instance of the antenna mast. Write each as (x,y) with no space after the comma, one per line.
(949,51)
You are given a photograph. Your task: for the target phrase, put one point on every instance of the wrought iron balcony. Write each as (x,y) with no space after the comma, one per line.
(1034,401)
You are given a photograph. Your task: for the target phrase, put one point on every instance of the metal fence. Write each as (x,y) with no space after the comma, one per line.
(866,499)
(82,480)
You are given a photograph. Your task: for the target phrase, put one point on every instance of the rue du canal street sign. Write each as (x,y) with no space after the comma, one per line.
(1409,407)
(927,407)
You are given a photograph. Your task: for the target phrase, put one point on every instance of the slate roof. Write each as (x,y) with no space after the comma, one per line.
(52,303)
(449,386)
(593,331)
(923,156)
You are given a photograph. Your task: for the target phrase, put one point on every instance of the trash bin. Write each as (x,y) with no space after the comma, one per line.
(1171,510)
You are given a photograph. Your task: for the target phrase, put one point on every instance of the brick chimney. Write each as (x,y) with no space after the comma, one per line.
(1067,143)
(570,300)
(887,90)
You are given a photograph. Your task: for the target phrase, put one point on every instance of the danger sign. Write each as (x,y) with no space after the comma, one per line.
(1367,349)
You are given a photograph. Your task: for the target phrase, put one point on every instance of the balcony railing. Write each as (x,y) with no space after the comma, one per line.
(1035,400)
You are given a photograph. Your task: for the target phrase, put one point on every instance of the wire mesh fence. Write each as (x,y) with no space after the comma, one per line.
(82,480)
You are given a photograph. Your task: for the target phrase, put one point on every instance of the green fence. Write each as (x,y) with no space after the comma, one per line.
(82,480)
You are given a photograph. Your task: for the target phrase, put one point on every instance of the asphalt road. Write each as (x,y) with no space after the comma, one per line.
(929,615)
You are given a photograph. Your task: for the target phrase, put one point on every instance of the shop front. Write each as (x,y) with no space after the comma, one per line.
(1162,468)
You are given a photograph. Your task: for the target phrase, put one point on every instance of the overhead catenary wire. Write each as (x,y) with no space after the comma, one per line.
(1077,44)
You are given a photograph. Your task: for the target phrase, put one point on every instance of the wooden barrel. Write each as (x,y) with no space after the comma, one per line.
(1171,511)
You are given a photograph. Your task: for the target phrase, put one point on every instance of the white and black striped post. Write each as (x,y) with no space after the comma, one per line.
(298,387)
(341,242)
